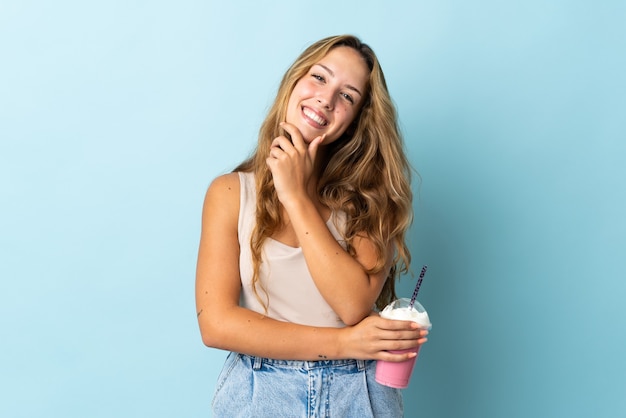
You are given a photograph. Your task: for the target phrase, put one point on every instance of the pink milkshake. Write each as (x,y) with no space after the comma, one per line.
(397,375)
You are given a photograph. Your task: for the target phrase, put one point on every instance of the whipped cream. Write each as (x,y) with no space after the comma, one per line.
(406,314)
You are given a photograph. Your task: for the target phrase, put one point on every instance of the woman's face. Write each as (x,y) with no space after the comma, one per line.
(328,98)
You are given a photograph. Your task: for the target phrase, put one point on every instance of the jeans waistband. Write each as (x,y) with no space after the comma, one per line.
(306,365)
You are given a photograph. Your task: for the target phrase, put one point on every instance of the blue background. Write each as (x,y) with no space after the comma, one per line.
(115,116)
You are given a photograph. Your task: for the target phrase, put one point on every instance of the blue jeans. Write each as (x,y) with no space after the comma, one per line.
(254,387)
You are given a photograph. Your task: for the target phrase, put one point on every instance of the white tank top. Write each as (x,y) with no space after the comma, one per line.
(291,293)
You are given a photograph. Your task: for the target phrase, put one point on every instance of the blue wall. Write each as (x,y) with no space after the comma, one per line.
(115,115)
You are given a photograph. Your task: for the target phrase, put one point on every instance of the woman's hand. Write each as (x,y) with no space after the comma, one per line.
(373,337)
(291,162)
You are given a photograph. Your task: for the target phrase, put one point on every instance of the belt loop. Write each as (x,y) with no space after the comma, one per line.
(256,364)
(361,365)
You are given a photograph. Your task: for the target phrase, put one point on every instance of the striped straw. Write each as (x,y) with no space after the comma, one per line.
(417,286)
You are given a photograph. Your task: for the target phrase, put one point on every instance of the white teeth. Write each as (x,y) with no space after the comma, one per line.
(312,115)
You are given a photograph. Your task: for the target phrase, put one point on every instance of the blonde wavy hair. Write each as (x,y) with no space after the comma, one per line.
(366,175)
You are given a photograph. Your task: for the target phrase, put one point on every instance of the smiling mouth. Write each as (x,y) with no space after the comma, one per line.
(314,117)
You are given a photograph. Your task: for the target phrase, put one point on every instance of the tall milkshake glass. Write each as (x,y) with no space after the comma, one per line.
(398,374)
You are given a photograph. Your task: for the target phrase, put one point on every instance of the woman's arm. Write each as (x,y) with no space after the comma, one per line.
(343,280)
(226,325)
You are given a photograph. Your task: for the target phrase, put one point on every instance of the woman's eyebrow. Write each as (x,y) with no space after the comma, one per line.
(348,86)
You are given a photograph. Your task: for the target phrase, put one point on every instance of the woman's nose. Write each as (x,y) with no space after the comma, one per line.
(325,101)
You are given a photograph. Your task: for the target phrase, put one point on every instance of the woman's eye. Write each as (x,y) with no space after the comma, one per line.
(348,97)
(317,77)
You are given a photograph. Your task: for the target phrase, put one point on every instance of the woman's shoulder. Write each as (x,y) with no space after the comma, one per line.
(234,178)
(224,183)
(223,193)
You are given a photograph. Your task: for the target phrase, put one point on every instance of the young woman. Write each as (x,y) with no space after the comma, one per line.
(303,240)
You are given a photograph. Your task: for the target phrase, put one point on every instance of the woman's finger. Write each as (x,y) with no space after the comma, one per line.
(282,142)
(296,136)
(314,145)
